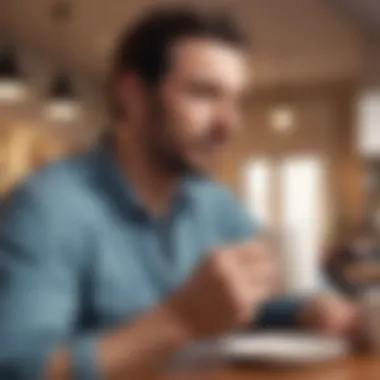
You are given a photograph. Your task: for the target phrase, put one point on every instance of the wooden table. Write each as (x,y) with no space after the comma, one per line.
(353,368)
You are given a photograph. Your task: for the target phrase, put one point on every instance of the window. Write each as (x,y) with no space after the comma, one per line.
(369,124)
(258,190)
(291,195)
(302,221)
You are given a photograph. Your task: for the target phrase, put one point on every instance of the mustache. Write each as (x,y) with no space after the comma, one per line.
(214,138)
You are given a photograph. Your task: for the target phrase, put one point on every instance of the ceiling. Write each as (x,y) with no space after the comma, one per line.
(366,15)
(296,41)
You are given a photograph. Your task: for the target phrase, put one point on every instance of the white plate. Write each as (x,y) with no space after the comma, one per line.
(283,348)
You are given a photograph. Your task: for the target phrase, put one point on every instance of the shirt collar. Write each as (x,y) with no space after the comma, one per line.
(116,183)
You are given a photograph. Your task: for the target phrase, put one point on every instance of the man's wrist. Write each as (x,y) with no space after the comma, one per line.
(172,326)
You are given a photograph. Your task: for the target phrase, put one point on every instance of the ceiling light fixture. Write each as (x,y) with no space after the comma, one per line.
(282,118)
(62,105)
(12,86)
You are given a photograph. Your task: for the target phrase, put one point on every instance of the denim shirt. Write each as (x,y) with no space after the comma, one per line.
(80,255)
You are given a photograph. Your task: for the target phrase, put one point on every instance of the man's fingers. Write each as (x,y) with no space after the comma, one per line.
(251,255)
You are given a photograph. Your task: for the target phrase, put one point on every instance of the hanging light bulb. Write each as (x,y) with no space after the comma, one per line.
(282,118)
(12,86)
(62,104)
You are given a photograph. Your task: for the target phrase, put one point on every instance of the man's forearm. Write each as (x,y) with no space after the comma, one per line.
(128,351)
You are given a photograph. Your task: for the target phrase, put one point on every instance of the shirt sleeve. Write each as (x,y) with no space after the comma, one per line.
(38,290)
(277,313)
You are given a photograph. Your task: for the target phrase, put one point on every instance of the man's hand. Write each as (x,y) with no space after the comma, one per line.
(226,290)
(330,314)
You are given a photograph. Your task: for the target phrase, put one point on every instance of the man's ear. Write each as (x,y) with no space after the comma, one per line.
(130,96)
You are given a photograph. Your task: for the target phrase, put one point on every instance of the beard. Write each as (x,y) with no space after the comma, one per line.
(168,158)
(170,152)
(161,144)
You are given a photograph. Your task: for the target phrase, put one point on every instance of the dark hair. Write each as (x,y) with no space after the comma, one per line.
(145,49)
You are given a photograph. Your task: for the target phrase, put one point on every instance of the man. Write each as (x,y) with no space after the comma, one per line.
(114,260)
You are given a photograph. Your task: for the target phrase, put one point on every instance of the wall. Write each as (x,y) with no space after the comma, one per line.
(372,73)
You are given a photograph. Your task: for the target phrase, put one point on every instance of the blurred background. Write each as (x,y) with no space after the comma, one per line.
(308,161)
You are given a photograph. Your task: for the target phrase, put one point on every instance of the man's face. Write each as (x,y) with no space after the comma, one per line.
(197,108)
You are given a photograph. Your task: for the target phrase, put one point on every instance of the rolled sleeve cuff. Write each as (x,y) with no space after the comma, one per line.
(85,363)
